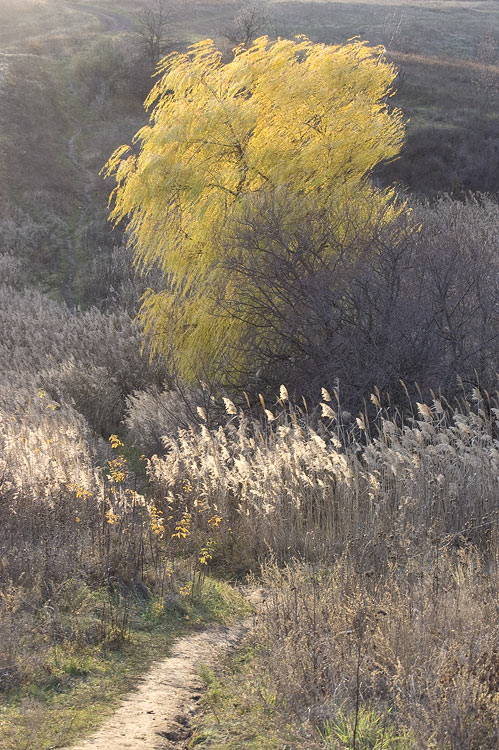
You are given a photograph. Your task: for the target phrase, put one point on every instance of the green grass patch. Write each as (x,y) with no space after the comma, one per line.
(366,730)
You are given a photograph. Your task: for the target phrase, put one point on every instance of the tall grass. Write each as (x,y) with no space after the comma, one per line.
(70,510)
(401,660)
(378,544)
(307,485)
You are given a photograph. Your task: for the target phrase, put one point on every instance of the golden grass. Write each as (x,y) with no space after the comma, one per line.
(302,485)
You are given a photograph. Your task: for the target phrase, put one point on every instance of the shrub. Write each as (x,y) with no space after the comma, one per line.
(12,271)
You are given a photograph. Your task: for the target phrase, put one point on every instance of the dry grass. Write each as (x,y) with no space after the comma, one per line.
(302,485)
(379,626)
(62,519)
(83,551)
(416,645)
(347,657)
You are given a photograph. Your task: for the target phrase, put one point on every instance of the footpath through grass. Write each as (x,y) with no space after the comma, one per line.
(401,655)
(77,686)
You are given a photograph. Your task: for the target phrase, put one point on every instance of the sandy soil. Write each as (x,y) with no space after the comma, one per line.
(158,714)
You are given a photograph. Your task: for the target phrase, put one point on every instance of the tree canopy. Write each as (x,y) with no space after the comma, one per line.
(305,123)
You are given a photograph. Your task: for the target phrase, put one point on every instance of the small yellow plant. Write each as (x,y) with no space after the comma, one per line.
(112,517)
(118,470)
(115,442)
(215,521)
(183,527)
(80,492)
(186,589)
(157,521)
(206,551)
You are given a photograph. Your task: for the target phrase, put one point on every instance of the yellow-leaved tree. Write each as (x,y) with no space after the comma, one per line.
(304,123)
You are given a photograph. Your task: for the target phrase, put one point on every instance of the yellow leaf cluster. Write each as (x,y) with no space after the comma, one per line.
(183,527)
(310,119)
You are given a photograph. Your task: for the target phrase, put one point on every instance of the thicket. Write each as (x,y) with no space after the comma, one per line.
(448,158)
(33,122)
(412,302)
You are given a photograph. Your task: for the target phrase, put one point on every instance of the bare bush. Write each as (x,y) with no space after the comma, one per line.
(358,301)
(153,32)
(112,282)
(33,234)
(457,274)
(447,158)
(252,21)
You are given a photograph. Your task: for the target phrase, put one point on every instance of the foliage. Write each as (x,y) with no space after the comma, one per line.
(221,137)
(372,732)
(103,69)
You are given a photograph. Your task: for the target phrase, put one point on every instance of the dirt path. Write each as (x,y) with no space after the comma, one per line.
(113,22)
(22,54)
(157,715)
